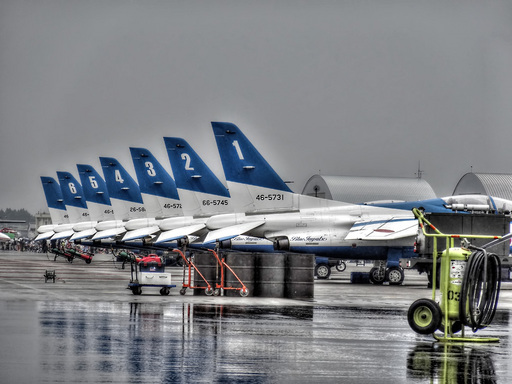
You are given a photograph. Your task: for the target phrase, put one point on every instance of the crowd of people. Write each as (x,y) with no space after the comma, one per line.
(22,245)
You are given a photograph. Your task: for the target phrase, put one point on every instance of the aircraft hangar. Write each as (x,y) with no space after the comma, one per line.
(490,184)
(362,189)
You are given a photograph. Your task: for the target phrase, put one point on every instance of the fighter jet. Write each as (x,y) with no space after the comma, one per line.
(297,223)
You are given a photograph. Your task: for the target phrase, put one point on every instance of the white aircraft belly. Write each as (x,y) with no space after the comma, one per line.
(179,233)
(83,234)
(108,233)
(141,232)
(232,231)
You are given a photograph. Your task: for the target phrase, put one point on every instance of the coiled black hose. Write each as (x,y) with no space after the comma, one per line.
(480,289)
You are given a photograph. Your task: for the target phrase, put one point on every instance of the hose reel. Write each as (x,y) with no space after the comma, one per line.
(480,289)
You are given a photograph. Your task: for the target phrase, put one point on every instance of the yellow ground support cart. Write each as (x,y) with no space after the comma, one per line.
(470,281)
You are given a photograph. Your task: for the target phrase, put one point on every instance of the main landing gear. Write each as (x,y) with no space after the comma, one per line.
(380,274)
(323,267)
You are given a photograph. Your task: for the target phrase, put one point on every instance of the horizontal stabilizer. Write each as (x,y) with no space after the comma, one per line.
(232,231)
(140,233)
(179,233)
(108,233)
(83,234)
(44,236)
(63,235)
(395,228)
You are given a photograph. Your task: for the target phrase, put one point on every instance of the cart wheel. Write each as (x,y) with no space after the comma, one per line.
(216,292)
(208,291)
(88,261)
(165,291)
(183,291)
(137,290)
(341,266)
(424,316)
(244,292)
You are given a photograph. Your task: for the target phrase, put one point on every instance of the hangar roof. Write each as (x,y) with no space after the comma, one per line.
(491,184)
(360,189)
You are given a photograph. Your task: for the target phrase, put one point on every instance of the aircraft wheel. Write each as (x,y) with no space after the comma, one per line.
(424,316)
(322,271)
(341,266)
(395,275)
(376,277)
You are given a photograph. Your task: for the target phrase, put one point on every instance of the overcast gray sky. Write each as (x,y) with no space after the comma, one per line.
(365,88)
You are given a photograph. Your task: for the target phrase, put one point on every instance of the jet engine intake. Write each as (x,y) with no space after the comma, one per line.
(225,244)
(282,244)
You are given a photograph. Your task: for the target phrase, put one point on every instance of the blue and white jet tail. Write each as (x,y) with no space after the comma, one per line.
(155,181)
(73,197)
(252,182)
(96,193)
(56,207)
(75,204)
(125,197)
(201,192)
(98,201)
(155,184)
(55,200)
(124,192)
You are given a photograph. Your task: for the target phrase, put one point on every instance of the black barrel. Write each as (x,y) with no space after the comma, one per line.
(242,265)
(360,277)
(206,263)
(300,276)
(269,275)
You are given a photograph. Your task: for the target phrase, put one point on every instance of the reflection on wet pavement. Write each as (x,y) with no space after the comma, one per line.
(54,341)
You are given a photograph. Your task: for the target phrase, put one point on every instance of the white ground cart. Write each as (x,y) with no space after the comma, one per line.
(150,272)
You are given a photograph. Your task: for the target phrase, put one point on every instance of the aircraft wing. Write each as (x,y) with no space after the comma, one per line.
(141,232)
(386,229)
(108,233)
(63,235)
(232,231)
(44,236)
(179,233)
(83,234)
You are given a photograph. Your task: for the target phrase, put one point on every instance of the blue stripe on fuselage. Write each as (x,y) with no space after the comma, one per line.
(353,253)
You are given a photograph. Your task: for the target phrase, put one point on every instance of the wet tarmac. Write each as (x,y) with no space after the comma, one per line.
(87,327)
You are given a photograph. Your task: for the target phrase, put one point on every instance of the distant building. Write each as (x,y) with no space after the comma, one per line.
(43,218)
(490,184)
(360,189)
